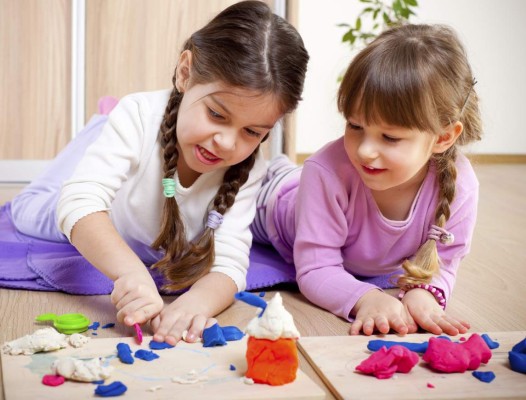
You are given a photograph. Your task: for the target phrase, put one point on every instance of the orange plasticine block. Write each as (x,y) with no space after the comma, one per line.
(273,362)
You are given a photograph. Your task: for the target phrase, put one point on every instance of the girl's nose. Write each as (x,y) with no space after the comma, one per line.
(226,139)
(367,150)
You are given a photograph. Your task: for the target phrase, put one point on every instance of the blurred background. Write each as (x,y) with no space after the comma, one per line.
(60,56)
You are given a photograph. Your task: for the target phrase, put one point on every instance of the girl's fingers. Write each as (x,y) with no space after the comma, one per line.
(195,331)
(138,311)
(382,324)
(356,327)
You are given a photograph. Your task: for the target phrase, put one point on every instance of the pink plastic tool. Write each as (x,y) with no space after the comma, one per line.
(138,331)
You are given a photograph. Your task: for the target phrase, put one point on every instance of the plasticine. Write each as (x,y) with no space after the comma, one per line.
(487,376)
(159,345)
(517,357)
(446,356)
(146,355)
(386,361)
(113,389)
(124,353)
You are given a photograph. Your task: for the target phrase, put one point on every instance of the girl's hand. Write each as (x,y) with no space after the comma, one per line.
(376,309)
(182,315)
(136,298)
(428,314)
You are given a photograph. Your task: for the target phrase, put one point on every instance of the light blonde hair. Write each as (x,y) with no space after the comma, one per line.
(418,77)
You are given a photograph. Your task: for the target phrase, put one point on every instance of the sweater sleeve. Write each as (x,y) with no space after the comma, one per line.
(104,167)
(321,232)
(233,238)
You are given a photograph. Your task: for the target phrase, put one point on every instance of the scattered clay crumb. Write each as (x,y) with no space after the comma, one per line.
(430,385)
(45,339)
(78,340)
(247,381)
(80,370)
(155,388)
(191,377)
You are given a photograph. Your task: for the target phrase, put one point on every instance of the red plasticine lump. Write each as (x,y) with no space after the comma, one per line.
(446,356)
(385,362)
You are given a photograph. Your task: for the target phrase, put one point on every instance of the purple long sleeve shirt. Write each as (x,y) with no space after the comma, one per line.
(330,225)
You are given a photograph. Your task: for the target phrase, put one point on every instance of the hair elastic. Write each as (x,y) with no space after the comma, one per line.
(169,187)
(441,235)
(214,219)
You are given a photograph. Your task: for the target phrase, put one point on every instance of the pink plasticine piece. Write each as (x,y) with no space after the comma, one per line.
(385,362)
(138,331)
(53,380)
(445,356)
(430,385)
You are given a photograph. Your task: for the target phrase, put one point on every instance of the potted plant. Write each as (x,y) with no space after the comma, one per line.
(376,16)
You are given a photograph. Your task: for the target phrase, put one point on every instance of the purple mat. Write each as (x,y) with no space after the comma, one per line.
(35,264)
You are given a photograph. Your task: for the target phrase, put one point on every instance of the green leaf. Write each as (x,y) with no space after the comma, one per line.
(387,20)
(358,24)
(411,2)
(343,25)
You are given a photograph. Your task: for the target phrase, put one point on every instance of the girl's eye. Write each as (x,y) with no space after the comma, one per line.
(214,114)
(391,139)
(253,133)
(353,126)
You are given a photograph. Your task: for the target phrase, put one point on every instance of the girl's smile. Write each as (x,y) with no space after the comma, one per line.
(205,156)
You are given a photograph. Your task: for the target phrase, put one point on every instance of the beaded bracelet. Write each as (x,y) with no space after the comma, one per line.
(437,293)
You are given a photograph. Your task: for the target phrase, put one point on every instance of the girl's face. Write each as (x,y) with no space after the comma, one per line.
(218,126)
(388,157)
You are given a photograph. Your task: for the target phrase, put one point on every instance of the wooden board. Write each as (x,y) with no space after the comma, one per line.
(23,374)
(335,357)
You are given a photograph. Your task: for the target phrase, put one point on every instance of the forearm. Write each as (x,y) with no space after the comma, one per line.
(98,241)
(211,294)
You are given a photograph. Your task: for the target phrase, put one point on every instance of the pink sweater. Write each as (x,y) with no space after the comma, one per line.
(332,225)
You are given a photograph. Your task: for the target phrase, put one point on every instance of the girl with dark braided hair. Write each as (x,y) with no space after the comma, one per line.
(393,199)
(170,181)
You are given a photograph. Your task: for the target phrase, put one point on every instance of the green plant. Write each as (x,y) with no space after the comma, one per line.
(375,17)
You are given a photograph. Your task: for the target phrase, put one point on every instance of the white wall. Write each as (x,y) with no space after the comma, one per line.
(493,32)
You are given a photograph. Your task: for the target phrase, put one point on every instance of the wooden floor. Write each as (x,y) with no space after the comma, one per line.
(490,290)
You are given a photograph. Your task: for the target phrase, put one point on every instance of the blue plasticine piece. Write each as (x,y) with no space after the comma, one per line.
(491,343)
(94,333)
(231,333)
(159,345)
(113,389)
(94,326)
(232,367)
(487,376)
(146,355)
(517,357)
(110,325)
(375,345)
(124,353)
(261,294)
(252,299)
(213,336)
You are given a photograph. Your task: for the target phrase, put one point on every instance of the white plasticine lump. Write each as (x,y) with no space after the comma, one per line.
(45,339)
(81,370)
(275,323)
(77,340)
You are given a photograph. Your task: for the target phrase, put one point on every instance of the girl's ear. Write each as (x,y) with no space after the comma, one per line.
(448,137)
(183,71)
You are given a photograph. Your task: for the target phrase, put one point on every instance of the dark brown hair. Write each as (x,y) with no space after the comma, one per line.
(245,46)
(418,77)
